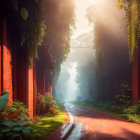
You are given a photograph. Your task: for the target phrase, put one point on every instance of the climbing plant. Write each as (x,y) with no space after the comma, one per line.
(28,22)
(60,21)
(132,8)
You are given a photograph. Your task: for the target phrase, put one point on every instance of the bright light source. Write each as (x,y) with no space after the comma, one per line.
(90,2)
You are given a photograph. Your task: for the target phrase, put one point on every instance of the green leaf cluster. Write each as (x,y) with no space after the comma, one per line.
(28,23)
(3,100)
(46,103)
(14,130)
(124,97)
(132,8)
(61,23)
(15,111)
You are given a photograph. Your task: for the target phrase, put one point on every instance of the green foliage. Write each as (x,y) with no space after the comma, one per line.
(61,22)
(132,113)
(46,124)
(24,13)
(14,121)
(3,100)
(133,118)
(15,111)
(133,109)
(45,103)
(133,20)
(33,29)
(14,130)
(28,25)
(124,98)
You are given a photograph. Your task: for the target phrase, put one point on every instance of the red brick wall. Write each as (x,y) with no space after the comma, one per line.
(0,52)
(15,73)
(25,88)
(0,65)
(30,92)
(34,87)
(7,66)
(135,84)
(41,82)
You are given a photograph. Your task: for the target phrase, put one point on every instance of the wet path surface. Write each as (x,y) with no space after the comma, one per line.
(96,125)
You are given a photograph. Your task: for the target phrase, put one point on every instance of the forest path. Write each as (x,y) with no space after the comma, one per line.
(92,124)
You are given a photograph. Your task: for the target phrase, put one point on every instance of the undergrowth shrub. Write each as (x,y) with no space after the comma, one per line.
(15,111)
(3,100)
(14,130)
(133,109)
(123,104)
(46,104)
(124,98)
(14,119)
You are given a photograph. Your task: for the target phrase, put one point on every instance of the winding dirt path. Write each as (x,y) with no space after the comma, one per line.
(92,124)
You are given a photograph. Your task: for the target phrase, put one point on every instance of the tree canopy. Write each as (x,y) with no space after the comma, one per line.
(59,19)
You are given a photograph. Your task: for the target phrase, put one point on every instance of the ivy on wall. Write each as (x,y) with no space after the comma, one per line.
(132,8)
(28,23)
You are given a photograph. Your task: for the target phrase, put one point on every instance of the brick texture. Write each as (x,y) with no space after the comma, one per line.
(7,72)
(30,92)
(41,82)
(34,87)
(135,84)
(15,74)
(7,66)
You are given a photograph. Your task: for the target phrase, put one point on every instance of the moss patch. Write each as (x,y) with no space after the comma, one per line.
(46,124)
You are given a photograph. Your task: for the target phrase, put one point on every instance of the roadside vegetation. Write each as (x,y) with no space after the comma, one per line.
(15,123)
(46,124)
(121,106)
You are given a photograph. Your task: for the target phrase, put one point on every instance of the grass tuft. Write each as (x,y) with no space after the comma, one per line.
(46,124)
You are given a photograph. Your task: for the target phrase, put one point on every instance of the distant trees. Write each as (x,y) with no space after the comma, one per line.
(112,59)
(86,79)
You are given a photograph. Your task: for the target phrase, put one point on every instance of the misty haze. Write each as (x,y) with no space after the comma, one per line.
(70,70)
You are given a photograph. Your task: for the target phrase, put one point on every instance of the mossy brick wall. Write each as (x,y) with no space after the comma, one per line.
(135,15)
(18,73)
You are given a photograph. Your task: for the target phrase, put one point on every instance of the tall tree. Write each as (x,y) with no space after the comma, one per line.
(112,60)
(59,18)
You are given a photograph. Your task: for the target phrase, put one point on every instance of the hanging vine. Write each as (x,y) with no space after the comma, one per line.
(28,23)
(132,8)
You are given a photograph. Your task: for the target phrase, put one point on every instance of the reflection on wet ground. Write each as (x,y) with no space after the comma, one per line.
(92,124)
(78,132)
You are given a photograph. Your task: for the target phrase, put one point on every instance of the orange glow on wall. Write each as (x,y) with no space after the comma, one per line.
(6,68)
(30,92)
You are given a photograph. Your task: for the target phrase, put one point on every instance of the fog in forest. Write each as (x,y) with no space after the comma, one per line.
(77,77)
